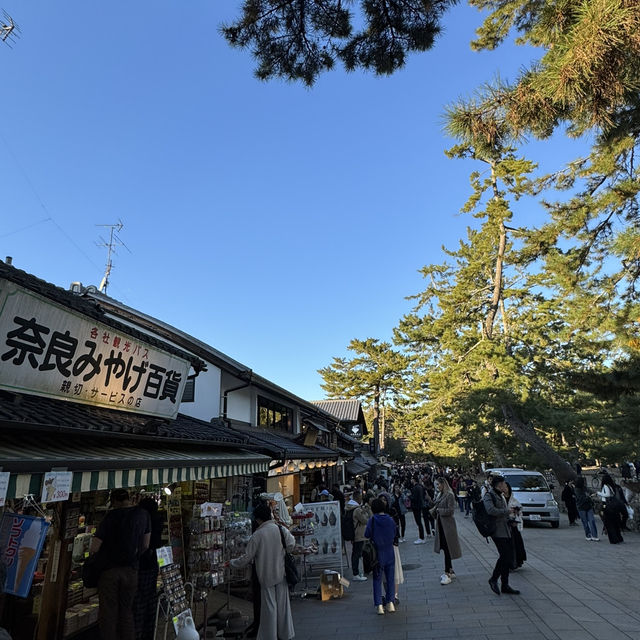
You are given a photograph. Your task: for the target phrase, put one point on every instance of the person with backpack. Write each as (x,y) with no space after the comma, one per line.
(585,510)
(495,505)
(382,531)
(122,536)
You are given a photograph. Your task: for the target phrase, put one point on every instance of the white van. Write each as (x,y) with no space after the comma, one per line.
(533,492)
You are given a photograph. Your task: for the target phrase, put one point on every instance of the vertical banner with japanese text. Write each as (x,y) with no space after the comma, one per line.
(50,350)
(21,541)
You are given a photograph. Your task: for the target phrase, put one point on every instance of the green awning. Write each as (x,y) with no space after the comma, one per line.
(110,465)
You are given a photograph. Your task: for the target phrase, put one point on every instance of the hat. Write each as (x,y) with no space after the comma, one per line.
(496,480)
(324,492)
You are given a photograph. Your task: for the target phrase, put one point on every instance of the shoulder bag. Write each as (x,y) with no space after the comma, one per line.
(290,569)
(369,551)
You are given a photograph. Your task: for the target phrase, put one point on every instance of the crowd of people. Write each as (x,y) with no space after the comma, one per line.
(373,515)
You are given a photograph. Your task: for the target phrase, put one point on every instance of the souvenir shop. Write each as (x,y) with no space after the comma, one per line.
(49,517)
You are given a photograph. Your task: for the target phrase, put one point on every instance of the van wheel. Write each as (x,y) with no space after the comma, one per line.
(555,525)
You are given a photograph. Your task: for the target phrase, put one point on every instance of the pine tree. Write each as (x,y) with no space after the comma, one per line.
(375,372)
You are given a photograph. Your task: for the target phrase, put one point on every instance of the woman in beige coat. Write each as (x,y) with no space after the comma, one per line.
(446,532)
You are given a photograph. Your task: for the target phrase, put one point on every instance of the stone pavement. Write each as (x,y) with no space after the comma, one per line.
(570,589)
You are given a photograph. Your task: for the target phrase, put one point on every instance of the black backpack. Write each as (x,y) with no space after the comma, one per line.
(348,528)
(485,523)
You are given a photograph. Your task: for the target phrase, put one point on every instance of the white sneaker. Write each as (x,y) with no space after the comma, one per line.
(445,579)
(390,607)
(360,578)
(400,539)
(380,610)
(419,541)
(589,539)
(595,539)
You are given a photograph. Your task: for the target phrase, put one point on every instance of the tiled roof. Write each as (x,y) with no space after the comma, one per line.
(58,415)
(281,443)
(88,308)
(345,410)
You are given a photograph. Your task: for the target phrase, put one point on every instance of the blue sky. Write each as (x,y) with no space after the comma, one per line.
(272,221)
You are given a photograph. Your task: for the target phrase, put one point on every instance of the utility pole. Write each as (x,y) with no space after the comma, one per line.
(114,241)
(9,30)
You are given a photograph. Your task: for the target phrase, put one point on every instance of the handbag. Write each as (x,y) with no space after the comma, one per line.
(92,568)
(369,552)
(290,568)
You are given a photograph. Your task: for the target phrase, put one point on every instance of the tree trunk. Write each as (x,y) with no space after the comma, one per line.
(497,276)
(526,433)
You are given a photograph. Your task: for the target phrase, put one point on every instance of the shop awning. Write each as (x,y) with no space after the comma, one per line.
(317,425)
(284,445)
(109,465)
(357,468)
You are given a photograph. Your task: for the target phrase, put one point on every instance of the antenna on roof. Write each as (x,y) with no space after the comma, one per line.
(9,30)
(114,241)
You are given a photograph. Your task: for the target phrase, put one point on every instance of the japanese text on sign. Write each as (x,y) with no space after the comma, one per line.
(53,351)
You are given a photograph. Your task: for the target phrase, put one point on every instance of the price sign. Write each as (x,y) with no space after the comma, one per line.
(57,486)
(4,485)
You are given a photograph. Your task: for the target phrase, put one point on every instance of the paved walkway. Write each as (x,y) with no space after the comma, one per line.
(570,589)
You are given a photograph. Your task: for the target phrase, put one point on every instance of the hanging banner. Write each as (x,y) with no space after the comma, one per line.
(50,350)
(4,486)
(326,534)
(21,541)
(57,486)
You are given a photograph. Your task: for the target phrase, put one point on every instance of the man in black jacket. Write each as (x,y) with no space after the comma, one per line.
(417,505)
(122,536)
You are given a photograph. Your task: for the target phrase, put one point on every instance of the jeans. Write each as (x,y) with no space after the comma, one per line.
(356,554)
(461,500)
(589,523)
(116,591)
(467,505)
(388,570)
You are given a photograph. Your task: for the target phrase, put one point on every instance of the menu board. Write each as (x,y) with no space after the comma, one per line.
(326,533)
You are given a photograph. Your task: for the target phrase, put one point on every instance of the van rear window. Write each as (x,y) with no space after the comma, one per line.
(526,482)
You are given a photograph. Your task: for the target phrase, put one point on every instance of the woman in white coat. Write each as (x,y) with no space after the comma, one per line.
(265,548)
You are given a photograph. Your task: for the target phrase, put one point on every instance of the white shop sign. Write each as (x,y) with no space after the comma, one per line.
(56,486)
(4,486)
(49,350)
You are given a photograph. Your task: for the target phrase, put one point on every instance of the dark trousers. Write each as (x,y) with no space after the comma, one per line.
(448,565)
(403,524)
(429,522)
(417,514)
(146,603)
(501,570)
(356,554)
(612,524)
(116,591)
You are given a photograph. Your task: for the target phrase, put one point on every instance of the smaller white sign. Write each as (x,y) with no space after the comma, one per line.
(165,556)
(210,509)
(4,485)
(57,486)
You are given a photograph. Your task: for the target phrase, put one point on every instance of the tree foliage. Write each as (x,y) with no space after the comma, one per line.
(300,39)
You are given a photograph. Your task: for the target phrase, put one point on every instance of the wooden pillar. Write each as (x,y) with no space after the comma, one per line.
(54,590)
